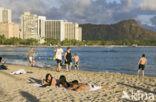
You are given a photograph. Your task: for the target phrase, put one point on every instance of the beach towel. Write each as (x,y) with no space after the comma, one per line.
(20,71)
(93,87)
(36,84)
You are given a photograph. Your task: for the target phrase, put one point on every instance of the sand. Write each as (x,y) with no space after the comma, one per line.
(17,88)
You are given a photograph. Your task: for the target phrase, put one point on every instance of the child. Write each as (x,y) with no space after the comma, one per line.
(34,55)
(77,61)
(68,59)
(2,66)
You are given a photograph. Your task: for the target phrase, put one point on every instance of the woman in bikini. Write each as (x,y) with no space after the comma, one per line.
(76,86)
(49,80)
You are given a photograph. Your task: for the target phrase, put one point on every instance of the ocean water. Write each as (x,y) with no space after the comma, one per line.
(98,59)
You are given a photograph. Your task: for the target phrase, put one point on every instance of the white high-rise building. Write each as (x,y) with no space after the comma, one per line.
(37,27)
(72,31)
(41,28)
(5,15)
(61,30)
(54,29)
(1,12)
(29,26)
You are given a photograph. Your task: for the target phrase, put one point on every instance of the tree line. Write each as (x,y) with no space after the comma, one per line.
(48,42)
(17,41)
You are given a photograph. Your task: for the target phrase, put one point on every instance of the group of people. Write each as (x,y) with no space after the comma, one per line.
(67,57)
(59,55)
(73,85)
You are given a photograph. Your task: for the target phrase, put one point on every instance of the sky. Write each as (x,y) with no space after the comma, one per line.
(86,11)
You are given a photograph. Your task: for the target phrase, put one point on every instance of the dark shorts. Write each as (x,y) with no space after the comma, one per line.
(58,61)
(76,64)
(141,66)
(68,62)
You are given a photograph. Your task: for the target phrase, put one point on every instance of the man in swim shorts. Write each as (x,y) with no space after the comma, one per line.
(68,59)
(142,62)
(76,61)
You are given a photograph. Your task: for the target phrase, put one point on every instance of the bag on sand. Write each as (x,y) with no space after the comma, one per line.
(3,67)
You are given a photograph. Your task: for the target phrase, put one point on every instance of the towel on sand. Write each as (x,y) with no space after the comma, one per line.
(20,71)
(36,84)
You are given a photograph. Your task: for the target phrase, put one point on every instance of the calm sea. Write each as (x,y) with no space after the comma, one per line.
(99,59)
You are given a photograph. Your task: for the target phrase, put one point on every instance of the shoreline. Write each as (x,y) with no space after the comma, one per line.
(17,88)
(72,46)
(88,71)
(81,71)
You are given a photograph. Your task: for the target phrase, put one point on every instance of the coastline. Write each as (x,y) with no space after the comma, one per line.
(72,46)
(18,88)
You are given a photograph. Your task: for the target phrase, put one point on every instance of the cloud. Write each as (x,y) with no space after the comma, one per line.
(148,5)
(19,6)
(83,11)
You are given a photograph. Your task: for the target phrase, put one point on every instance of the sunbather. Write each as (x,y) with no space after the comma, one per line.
(49,80)
(76,86)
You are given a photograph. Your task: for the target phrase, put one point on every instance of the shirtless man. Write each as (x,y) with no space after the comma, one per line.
(142,62)
(76,61)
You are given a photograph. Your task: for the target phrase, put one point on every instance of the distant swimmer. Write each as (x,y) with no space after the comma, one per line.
(142,62)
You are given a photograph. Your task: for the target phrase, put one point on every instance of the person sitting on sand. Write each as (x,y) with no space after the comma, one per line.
(142,62)
(76,61)
(49,80)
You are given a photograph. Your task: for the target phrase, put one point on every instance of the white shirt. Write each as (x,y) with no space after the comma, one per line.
(59,53)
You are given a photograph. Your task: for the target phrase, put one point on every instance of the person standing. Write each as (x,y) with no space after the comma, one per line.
(59,54)
(142,62)
(30,54)
(76,61)
(34,57)
(68,59)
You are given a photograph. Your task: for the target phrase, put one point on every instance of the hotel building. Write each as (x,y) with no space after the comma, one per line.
(61,30)
(37,27)
(9,30)
(5,15)
(29,26)
(41,28)
(54,29)
(72,31)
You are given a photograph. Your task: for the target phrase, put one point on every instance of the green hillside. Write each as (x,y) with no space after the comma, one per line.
(124,30)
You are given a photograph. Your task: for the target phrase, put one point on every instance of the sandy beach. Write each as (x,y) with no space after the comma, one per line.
(17,88)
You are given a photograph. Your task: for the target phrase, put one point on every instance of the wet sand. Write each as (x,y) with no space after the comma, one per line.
(17,88)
